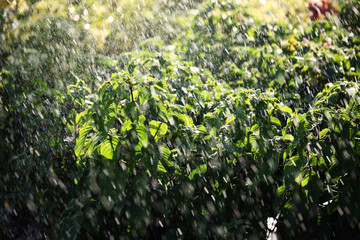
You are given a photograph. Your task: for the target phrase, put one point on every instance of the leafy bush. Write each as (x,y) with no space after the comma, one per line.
(181,139)
(237,122)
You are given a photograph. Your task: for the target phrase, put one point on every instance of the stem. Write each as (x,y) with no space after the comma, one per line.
(158,130)
(131,91)
(147,71)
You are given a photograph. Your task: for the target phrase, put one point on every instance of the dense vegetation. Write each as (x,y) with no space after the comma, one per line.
(234,122)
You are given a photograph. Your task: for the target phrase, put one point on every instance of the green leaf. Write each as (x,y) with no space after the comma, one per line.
(275,121)
(83,132)
(280,190)
(254,127)
(126,126)
(90,145)
(185,118)
(286,109)
(278,198)
(289,205)
(108,147)
(142,135)
(300,178)
(306,179)
(201,128)
(161,168)
(165,154)
(230,119)
(199,170)
(159,88)
(70,126)
(347,64)
(323,132)
(157,129)
(213,131)
(288,137)
(142,118)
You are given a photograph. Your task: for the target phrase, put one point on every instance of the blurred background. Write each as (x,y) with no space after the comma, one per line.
(54,39)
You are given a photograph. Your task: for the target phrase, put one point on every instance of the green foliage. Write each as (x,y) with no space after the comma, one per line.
(237,121)
(297,60)
(248,143)
(350,15)
(37,160)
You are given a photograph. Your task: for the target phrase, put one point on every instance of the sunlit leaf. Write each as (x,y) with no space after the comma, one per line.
(126,126)
(185,118)
(161,168)
(91,145)
(288,137)
(286,109)
(83,132)
(323,132)
(157,129)
(108,147)
(230,119)
(275,121)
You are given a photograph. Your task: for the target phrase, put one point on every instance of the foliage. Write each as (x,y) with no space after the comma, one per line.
(203,146)
(350,15)
(37,161)
(237,121)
